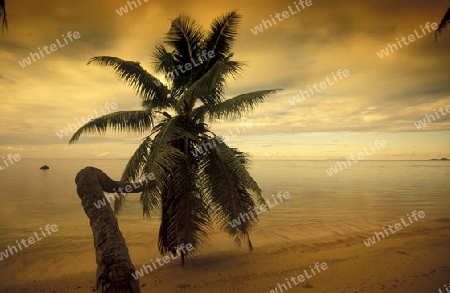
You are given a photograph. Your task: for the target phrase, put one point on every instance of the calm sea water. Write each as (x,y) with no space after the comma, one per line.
(365,196)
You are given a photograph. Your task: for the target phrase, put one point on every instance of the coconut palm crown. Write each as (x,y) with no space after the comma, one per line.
(191,191)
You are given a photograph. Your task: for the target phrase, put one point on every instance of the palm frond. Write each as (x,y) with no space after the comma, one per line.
(184,35)
(444,22)
(163,157)
(137,161)
(228,183)
(233,108)
(223,34)
(122,121)
(133,171)
(168,232)
(186,215)
(163,61)
(209,89)
(146,85)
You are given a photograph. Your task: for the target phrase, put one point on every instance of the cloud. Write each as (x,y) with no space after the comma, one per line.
(380,95)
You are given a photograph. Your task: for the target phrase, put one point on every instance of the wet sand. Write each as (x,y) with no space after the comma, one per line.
(415,259)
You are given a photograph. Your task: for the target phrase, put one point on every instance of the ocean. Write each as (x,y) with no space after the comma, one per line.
(365,196)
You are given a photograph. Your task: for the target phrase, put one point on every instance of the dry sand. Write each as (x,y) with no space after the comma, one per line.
(415,259)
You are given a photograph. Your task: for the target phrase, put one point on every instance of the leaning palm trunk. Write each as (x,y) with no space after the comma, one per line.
(114,266)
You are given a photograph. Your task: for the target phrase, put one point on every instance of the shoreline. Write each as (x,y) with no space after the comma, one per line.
(416,259)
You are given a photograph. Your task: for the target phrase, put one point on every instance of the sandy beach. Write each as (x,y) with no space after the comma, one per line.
(304,131)
(416,259)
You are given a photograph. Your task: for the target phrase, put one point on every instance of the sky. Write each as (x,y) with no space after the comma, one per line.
(379,98)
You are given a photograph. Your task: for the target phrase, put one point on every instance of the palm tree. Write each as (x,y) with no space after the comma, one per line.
(191,191)
(445,20)
(3,15)
(114,266)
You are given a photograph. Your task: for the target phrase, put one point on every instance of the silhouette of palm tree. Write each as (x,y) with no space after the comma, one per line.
(193,187)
